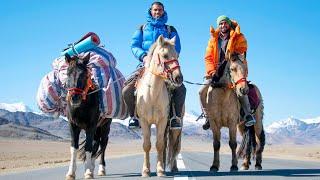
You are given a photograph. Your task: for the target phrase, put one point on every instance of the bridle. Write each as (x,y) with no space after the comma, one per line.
(83,92)
(241,80)
(167,71)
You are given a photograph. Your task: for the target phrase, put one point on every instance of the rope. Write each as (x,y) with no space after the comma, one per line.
(195,83)
(116,80)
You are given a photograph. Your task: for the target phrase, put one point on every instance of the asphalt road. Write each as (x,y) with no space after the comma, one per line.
(191,165)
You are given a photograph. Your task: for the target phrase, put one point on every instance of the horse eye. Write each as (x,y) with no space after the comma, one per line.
(233,69)
(166,56)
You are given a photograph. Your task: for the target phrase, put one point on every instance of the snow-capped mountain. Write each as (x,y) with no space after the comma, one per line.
(287,124)
(290,130)
(295,131)
(14,107)
(312,120)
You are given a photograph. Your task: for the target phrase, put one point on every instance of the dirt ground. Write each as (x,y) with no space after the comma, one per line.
(20,155)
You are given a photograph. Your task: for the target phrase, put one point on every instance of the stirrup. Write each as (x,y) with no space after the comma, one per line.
(251,122)
(134,121)
(175,128)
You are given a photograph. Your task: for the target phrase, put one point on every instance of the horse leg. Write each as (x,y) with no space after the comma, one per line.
(161,127)
(233,147)
(216,147)
(89,166)
(260,143)
(174,148)
(146,147)
(74,131)
(103,146)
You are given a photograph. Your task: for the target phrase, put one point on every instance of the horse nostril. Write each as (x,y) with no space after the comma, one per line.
(179,79)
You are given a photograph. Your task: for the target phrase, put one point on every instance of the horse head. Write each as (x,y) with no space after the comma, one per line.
(79,80)
(163,61)
(238,74)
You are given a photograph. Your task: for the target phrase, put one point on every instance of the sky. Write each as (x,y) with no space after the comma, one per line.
(283,44)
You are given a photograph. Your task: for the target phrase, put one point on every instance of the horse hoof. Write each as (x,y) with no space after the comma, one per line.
(160,174)
(214,169)
(88,176)
(70,177)
(101,173)
(174,170)
(234,168)
(243,167)
(258,167)
(145,173)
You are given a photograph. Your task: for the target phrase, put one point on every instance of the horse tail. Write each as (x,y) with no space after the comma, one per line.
(262,139)
(248,143)
(95,152)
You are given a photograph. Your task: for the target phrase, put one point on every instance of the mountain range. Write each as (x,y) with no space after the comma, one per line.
(18,121)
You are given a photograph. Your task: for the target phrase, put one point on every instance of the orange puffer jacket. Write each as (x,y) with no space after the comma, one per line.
(237,44)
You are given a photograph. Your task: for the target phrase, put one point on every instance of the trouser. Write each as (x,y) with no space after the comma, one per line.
(245,104)
(203,95)
(178,96)
(128,93)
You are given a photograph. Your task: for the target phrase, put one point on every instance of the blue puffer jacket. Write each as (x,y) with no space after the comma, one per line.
(141,41)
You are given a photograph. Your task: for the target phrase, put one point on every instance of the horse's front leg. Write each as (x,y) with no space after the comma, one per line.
(74,131)
(216,147)
(103,145)
(146,147)
(89,165)
(161,127)
(233,147)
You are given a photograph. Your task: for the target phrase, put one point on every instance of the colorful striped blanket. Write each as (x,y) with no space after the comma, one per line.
(51,92)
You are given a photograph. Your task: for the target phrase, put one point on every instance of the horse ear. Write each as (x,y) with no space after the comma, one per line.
(67,57)
(173,40)
(160,40)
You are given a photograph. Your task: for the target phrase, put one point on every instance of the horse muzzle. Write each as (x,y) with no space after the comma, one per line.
(177,81)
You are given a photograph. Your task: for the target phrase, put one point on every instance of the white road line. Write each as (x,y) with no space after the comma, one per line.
(180,165)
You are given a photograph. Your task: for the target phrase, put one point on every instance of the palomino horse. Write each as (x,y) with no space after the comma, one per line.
(83,113)
(224,111)
(161,71)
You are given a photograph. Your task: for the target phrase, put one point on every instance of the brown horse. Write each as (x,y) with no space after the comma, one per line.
(153,101)
(224,111)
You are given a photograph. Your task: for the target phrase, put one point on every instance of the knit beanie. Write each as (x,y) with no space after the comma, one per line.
(223,18)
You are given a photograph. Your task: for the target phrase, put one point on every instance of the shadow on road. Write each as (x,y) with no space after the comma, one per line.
(276,172)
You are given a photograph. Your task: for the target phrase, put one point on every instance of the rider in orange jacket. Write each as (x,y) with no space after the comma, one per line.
(225,41)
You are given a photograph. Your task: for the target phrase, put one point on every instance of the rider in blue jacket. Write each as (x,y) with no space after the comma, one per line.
(141,41)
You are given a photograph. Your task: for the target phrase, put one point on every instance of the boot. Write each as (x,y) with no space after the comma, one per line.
(175,123)
(134,122)
(206,125)
(245,104)
(178,98)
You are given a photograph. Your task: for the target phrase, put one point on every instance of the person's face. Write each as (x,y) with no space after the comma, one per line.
(224,26)
(156,11)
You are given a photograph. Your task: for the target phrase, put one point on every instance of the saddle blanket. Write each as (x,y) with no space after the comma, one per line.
(51,92)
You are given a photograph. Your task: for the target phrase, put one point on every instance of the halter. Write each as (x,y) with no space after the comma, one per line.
(84,92)
(166,71)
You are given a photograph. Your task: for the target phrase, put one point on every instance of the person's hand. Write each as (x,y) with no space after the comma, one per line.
(215,78)
(144,59)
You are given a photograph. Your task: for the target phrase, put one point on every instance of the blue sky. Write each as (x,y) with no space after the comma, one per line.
(283,39)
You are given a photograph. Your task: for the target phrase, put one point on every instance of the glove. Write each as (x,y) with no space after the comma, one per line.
(215,78)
